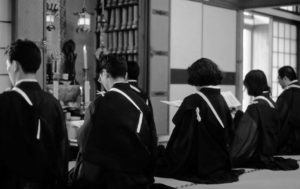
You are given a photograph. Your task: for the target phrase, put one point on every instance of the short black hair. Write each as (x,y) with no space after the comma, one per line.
(133,70)
(27,53)
(256,82)
(204,72)
(287,71)
(115,65)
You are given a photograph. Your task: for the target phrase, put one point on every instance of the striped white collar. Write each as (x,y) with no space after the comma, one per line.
(293,82)
(25,80)
(120,82)
(132,80)
(210,87)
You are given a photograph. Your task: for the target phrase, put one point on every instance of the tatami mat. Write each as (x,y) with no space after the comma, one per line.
(259,179)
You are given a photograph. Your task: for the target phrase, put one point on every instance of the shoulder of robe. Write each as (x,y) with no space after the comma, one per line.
(252,106)
(191,101)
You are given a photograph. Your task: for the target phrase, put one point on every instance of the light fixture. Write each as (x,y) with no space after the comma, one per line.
(52,9)
(84,20)
(50,21)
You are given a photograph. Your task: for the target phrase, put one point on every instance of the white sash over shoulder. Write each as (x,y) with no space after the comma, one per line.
(265,99)
(211,107)
(24,95)
(130,100)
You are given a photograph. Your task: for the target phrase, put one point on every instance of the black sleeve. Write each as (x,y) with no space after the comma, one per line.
(245,137)
(283,109)
(62,145)
(179,147)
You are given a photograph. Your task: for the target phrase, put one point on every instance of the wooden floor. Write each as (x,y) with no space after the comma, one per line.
(258,179)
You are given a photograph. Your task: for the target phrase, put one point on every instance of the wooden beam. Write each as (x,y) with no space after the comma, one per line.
(249,4)
(228,4)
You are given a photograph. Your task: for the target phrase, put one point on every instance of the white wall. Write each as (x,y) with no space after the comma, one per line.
(219,36)
(186,33)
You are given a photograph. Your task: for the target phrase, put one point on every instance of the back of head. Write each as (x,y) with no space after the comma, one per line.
(256,82)
(204,72)
(115,65)
(287,71)
(133,70)
(26,53)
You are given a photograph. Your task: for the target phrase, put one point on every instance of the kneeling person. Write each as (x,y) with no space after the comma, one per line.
(256,135)
(198,150)
(121,141)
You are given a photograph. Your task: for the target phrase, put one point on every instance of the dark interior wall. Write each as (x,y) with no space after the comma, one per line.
(82,38)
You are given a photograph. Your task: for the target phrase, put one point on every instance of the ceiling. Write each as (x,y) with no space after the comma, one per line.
(248,4)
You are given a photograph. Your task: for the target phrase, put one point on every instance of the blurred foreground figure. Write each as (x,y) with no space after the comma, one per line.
(33,136)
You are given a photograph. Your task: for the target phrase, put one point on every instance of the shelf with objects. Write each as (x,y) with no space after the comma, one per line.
(118,30)
(61,82)
(67,62)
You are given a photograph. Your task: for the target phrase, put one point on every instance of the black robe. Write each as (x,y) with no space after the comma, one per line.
(141,93)
(123,155)
(198,151)
(256,133)
(84,130)
(19,165)
(288,104)
(256,137)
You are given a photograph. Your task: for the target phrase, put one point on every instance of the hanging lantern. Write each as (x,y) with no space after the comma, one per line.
(84,20)
(52,8)
(50,15)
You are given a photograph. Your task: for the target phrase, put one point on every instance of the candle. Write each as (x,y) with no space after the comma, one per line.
(87,89)
(102,6)
(85,65)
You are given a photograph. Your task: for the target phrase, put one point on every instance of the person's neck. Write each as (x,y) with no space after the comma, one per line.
(119,80)
(25,77)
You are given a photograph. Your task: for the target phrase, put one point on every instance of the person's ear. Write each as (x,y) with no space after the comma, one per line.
(285,78)
(15,66)
(18,66)
(107,75)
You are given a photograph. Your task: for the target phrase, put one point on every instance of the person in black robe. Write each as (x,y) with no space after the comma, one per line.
(29,159)
(133,71)
(288,104)
(119,147)
(256,135)
(198,149)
